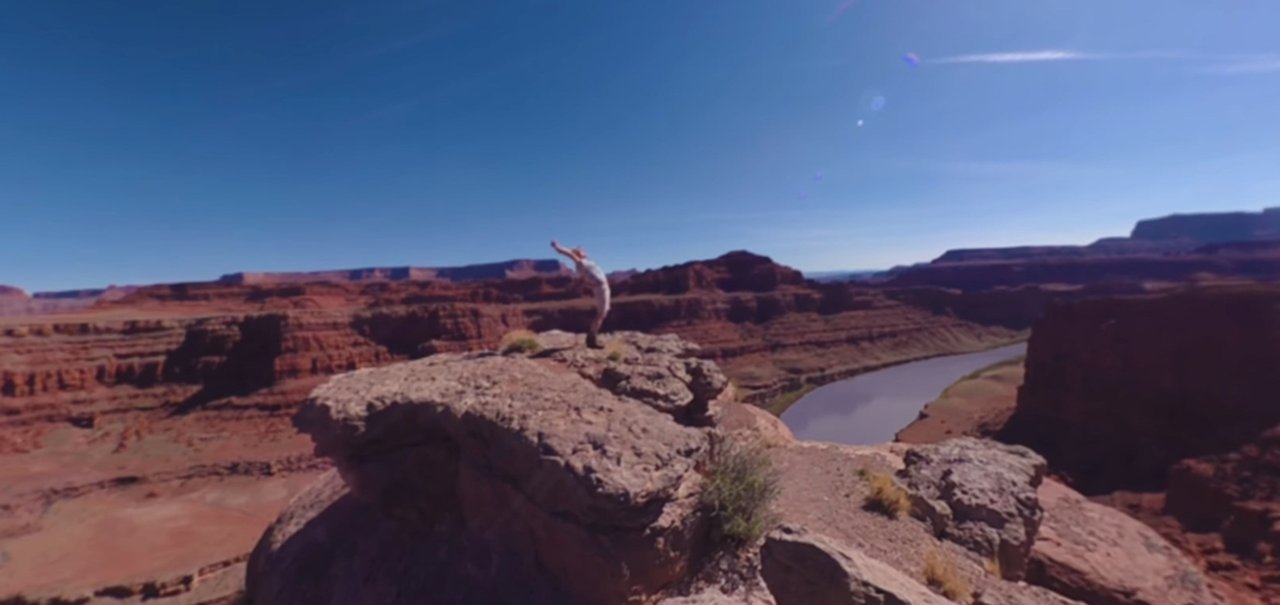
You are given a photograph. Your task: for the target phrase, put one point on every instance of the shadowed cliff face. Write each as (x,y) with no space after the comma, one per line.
(1211,228)
(1119,390)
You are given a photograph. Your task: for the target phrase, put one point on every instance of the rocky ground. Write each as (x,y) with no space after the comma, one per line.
(573,476)
(1104,372)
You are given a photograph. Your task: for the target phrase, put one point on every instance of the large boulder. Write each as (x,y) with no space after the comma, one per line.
(979,494)
(805,568)
(1020,593)
(1101,556)
(573,466)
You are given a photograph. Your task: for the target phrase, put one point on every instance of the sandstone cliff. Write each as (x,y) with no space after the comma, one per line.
(1149,380)
(1174,248)
(1211,227)
(1172,396)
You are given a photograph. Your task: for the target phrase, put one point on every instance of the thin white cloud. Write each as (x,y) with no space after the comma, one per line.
(1022,56)
(1216,64)
(1244,65)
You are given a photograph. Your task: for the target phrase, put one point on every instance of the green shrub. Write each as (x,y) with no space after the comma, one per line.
(886,496)
(741,485)
(519,341)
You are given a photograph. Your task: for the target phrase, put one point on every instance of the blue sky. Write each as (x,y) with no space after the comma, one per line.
(152,141)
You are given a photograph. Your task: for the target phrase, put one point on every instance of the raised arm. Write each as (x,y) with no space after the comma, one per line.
(562,250)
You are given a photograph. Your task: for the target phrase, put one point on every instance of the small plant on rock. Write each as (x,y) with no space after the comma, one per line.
(992,567)
(942,576)
(615,351)
(886,496)
(741,485)
(519,341)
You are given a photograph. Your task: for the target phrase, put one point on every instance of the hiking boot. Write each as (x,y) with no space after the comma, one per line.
(593,342)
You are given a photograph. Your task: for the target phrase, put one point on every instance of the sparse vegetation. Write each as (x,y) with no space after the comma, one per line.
(779,404)
(1016,361)
(615,351)
(886,496)
(941,575)
(741,485)
(992,567)
(519,341)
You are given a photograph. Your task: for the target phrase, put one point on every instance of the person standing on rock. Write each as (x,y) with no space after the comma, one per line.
(590,271)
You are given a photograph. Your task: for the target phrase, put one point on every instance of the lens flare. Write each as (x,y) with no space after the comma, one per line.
(912,59)
(877,103)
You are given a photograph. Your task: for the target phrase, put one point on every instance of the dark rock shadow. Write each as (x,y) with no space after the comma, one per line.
(348,552)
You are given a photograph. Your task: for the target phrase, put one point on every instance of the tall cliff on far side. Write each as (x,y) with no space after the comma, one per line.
(1118,390)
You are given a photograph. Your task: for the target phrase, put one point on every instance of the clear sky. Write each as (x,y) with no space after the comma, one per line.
(149,141)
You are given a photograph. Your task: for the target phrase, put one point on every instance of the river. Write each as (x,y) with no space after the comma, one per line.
(870,408)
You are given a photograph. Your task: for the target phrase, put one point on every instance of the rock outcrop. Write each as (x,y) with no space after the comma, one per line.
(572,476)
(1101,556)
(803,568)
(979,494)
(1236,494)
(568,473)
(1072,550)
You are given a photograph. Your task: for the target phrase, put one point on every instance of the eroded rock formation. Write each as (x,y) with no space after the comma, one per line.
(1174,396)
(979,494)
(568,467)
(572,476)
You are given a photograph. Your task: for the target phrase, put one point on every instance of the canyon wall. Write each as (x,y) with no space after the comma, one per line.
(1179,248)
(145,419)
(1118,390)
